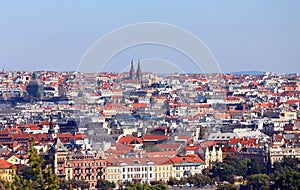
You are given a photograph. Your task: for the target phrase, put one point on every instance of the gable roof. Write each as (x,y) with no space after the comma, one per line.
(130,140)
(59,146)
(191,158)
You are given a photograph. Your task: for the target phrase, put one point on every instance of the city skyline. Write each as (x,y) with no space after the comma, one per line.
(242,36)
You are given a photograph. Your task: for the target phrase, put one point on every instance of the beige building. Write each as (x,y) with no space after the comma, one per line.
(289,115)
(277,154)
(163,168)
(184,165)
(113,173)
(7,171)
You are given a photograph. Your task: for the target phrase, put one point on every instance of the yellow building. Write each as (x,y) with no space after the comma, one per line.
(113,173)
(289,115)
(298,86)
(7,170)
(162,168)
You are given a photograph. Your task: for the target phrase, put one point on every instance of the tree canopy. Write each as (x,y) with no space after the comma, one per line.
(35,177)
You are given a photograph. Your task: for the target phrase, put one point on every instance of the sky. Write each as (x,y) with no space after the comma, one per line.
(242,35)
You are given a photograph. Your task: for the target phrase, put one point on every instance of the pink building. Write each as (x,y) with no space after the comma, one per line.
(76,165)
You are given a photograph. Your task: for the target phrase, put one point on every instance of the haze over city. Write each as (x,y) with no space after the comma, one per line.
(242,35)
(169,95)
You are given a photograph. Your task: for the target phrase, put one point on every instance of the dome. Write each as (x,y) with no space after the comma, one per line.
(34,76)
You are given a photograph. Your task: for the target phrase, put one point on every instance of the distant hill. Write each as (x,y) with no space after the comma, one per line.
(248,73)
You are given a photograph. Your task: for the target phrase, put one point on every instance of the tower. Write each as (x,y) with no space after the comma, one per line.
(139,72)
(35,88)
(131,73)
(51,131)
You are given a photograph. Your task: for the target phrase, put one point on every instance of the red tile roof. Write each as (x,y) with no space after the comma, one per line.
(191,147)
(6,165)
(130,140)
(161,160)
(243,141)
(187,159)
(139,105)
(153,138)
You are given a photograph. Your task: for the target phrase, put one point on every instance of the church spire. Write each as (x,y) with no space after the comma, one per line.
(132,73)
(139,71)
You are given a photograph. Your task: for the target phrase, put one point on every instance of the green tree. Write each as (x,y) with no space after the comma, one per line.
(239,168)
(4,184)
(253,167)
(258,182)
(173,181)
(146,186)
(288,180)
(222,171)
(160,186)
(199,180)
(183,181)
(286,174)
(50,179)
(227,186)
(35,177)
(81,184)
(104,184)
(64,184)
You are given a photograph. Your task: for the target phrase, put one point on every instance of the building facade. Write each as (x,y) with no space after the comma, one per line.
(77,165)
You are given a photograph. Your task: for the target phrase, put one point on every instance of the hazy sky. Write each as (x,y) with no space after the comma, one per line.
(242,35)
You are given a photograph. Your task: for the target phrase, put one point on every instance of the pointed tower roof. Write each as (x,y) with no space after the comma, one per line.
(139,65)
(132,73)
(131,63)
(59,146)
(139,71)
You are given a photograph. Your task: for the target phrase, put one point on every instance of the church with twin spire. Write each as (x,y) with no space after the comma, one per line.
(135,75)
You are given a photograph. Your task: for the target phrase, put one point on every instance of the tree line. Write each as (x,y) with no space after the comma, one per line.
(229,174)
